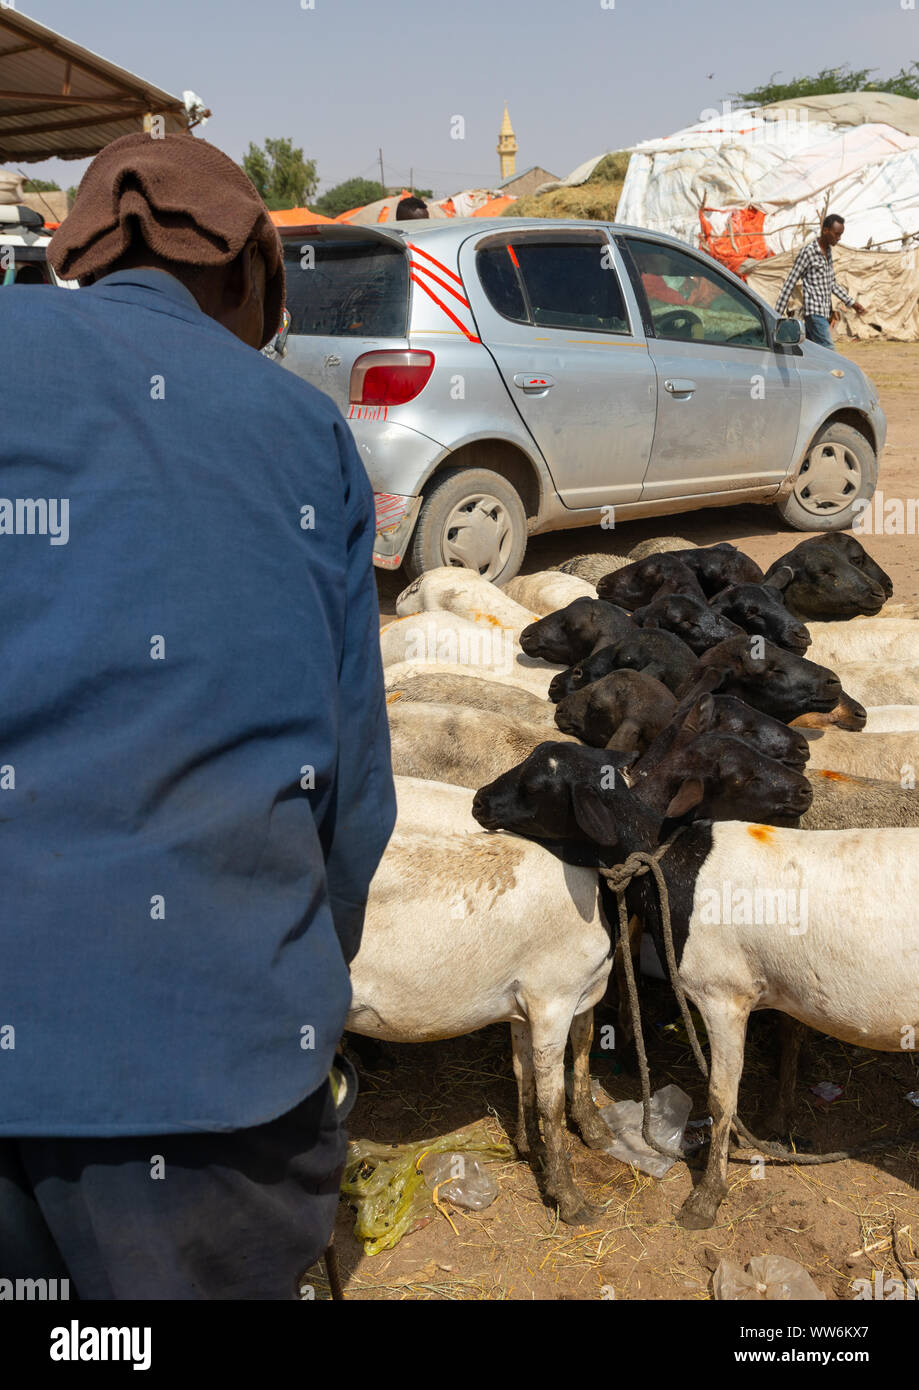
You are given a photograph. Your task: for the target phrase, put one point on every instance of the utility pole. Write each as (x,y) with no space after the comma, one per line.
(382,179)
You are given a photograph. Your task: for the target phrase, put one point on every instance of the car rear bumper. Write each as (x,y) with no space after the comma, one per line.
(397,460)
(396,517)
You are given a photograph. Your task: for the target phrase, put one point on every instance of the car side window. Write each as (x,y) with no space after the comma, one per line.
(691,302)
(499,280)
(555,284)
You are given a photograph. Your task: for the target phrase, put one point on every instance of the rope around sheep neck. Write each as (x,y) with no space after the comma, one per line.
(619,877)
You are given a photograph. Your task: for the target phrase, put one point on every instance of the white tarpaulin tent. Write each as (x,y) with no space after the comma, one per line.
(775,172)
(10,186)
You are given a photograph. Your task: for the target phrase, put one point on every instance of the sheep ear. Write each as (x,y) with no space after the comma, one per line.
(689,795)
(782,577)
(593,815)
(712,678)
(700,715)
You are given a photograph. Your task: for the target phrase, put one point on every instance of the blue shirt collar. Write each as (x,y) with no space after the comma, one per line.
(150,278)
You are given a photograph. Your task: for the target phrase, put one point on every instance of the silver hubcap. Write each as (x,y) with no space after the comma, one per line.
(829,479)
(478,535)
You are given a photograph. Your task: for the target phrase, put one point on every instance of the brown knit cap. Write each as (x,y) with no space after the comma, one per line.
(188,201)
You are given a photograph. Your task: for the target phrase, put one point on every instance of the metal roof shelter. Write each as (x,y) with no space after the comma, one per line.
(60,101)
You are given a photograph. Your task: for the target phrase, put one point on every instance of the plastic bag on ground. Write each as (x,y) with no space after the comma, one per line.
(766,1279)
(460,1179)
(670,1107)
(387,1189)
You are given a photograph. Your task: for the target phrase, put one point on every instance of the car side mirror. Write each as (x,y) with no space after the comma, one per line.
(789,332)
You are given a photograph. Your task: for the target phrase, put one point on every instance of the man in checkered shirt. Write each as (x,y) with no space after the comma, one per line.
(814,268)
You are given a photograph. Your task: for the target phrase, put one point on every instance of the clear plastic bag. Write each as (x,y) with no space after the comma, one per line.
(460,1179)
(766,1279)
(670,1107)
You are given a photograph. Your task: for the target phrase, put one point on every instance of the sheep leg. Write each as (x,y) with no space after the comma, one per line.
(528,1142)
(726,1024)
(549,1038)
(594,1132)
(791,1034)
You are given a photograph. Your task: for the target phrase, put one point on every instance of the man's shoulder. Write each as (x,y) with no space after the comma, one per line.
(283,386)
(31,316)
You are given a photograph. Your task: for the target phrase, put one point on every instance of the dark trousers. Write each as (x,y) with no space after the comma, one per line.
(237,1215)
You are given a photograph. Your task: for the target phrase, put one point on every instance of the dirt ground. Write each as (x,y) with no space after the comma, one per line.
(820,1216)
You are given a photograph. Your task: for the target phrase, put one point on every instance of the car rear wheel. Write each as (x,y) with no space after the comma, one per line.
(840,469)
(471,518)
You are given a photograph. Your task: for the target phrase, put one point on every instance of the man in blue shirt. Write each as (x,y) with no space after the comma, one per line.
(195,787)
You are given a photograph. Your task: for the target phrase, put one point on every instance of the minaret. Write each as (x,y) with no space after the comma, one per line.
(507,147)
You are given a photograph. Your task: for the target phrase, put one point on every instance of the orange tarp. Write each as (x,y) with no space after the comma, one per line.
(742,241)
(494,207)
(297,217)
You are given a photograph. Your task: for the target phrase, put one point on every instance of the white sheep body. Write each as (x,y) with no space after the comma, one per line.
(881,755)
(875,639)
(463,929)
(548,590)
(844,961)
(879,682)
(457,744)
(452,649)
(862,896)
(890,718)
(465,593)
(474,693)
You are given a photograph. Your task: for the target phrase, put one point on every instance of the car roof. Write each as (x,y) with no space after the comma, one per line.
(441,229)
(453,231)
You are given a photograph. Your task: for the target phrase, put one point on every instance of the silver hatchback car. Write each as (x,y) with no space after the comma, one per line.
(504,377)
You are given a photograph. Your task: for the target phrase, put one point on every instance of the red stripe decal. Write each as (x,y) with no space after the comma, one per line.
(449,288)
(513,255)
(440,265)
(441,305)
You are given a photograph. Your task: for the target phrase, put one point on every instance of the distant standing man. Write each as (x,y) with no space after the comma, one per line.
(411,210)
(814,268)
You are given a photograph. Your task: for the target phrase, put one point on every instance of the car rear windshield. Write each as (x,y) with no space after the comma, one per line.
(346,289)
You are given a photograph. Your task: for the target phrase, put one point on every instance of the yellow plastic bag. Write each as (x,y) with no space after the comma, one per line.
(384,1184)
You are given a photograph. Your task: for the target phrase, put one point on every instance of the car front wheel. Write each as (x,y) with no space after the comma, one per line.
(840,470)
(471,518)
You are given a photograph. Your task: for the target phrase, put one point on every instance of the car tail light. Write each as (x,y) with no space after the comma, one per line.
(390,378)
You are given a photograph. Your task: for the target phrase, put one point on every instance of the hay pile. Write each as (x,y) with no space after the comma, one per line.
(598,198)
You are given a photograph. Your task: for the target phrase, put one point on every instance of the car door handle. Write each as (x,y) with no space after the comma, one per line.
(534,382)
(679,386)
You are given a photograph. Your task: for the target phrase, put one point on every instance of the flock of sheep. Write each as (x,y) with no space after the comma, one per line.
(585,713)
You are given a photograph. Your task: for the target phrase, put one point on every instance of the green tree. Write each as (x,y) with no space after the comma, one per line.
(905,83)
(280,173)
(353,193)
(41,186)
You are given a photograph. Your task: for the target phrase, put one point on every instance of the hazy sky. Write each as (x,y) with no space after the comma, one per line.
(348,76)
